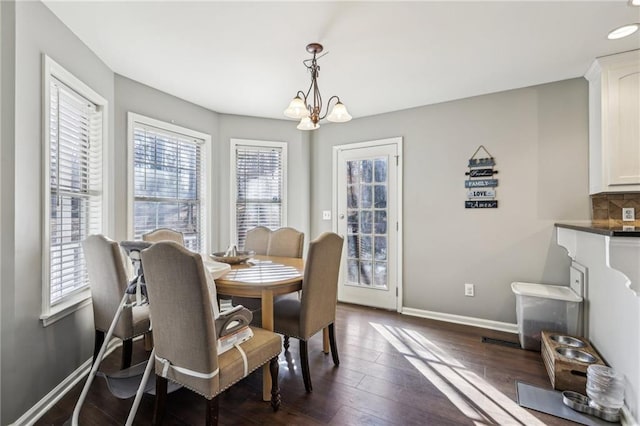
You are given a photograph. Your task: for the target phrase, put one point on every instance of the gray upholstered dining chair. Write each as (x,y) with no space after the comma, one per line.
(316,309)
(182,300)
(257,240)
(108,281)
(163,234)
(284,242)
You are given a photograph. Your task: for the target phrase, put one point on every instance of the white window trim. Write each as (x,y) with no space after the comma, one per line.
(233,236)
(206,156)
(81,298)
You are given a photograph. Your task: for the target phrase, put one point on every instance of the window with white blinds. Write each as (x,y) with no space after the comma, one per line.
(259,174)
(168,182)
(74,181)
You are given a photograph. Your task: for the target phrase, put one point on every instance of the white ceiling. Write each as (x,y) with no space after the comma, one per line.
(246,57)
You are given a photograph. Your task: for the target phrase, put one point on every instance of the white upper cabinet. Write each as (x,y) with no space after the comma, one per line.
(614,123)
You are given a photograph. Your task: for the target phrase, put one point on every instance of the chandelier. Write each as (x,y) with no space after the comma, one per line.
(307,107)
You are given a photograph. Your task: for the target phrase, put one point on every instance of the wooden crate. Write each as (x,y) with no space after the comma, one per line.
(566,373)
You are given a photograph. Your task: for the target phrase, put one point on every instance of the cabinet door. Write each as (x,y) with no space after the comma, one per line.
(624,125)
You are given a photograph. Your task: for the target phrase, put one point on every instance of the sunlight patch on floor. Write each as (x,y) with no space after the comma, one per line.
(472,395)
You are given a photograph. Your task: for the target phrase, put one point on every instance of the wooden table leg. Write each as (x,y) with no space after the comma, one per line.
(325,340)
(267,324)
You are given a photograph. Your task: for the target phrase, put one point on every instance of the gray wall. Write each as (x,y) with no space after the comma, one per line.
(35,358)
(538,136)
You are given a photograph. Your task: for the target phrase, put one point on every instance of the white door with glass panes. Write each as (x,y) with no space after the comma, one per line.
(368,194)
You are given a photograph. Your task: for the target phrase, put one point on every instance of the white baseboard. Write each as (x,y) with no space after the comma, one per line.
(459,319)
(50,399)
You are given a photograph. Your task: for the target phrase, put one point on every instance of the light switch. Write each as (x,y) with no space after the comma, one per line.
(326,215)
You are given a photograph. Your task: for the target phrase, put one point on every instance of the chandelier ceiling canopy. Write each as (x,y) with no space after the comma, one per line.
(307,107)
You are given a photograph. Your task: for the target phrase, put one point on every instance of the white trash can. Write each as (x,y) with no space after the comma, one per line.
(545,307)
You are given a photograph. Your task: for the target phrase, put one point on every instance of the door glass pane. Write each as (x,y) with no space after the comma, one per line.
(367,171)
(352,246)
(365,273)
(366,200)
(380,196)
(367,228)
(352,266)
(381,222)
(381,248)
(365,247)
(353,170)
(352,196)
(352,222)
(366,219)
(380,274)
(381,170)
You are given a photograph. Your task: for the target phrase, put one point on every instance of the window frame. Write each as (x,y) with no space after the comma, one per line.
(81,297)
(205,168)
(233,192)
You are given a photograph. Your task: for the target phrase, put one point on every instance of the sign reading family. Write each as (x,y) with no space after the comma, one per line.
(481,173)
(480,183)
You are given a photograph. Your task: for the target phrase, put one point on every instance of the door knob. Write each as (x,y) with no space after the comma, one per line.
(341,215)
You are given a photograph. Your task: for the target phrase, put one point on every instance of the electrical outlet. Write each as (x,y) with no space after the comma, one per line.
(628,214)
(326,214)
(469,290)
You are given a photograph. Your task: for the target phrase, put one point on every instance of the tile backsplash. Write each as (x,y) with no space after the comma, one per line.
(606,209)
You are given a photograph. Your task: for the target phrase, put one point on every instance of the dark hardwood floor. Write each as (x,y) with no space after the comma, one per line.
(394,370)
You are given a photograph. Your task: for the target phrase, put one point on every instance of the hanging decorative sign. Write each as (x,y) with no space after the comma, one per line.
(480,183)
(481,193)
(481,168)
(488,204)
(481,172)
(481,162)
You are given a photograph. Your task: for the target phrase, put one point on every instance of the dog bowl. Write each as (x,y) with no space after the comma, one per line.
(577,355)
(568,341)
(579,402)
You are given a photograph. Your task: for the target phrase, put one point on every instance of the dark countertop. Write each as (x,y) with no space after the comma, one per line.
(611,231)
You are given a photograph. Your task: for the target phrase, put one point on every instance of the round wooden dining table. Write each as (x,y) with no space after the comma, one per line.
(265,278)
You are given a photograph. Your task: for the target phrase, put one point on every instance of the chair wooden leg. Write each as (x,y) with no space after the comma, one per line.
(334,347)
(161,400)
(212,411)
(127,351)
(148,341)
(98,342)
(286,343)
(304,363)
(274,368)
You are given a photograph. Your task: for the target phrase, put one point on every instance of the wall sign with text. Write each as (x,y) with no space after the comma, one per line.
(481,182)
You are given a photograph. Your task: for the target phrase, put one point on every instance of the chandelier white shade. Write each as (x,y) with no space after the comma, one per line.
(297,109)
(307,107)
(307,124)
(339,114)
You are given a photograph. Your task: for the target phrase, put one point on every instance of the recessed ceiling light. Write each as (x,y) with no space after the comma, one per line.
(634,2)
(623,31)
